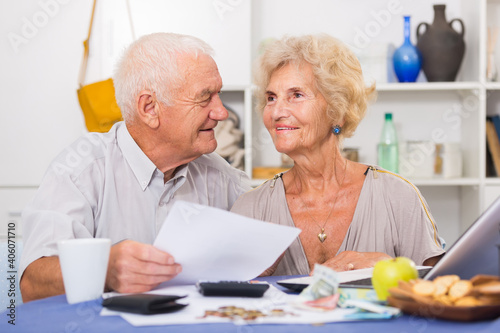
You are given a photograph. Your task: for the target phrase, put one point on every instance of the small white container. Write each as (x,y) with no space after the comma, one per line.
(376,63)
(416,159)
(448,160)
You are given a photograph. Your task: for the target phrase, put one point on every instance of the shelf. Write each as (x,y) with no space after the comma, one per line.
(446,182)
(422,182)
(492,85)
(492,181)
(428,86)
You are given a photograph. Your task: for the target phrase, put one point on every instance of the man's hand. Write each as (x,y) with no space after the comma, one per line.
(350,260)
(136,267)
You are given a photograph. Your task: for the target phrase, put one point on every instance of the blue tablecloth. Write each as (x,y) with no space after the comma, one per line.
(54,314)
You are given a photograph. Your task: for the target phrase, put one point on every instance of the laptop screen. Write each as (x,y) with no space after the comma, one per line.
(476,251)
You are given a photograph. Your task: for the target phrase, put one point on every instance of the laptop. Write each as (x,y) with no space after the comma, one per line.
(477,251)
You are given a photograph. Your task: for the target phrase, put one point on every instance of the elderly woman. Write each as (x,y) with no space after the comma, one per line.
(312,95)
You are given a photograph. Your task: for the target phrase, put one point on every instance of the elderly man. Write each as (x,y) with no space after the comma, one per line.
(121,184)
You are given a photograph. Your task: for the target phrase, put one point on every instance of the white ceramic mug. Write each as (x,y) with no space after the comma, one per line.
(84,263)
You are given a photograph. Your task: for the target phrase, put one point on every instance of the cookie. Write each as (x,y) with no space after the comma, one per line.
(446,280)
(459,289)
(482,278)
(441,289)
(424,288)
(467,301)
(488,300)
(443,299)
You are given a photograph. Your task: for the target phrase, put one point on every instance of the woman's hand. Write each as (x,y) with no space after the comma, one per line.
(270,270)
(350,260)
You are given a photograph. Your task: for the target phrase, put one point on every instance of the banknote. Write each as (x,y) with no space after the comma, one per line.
(322,293)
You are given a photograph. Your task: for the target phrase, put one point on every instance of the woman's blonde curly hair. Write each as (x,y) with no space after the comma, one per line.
(337,71)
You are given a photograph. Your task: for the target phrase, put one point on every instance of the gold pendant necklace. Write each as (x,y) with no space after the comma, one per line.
(322,236)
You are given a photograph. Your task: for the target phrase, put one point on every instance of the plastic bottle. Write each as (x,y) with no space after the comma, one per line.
(388,150)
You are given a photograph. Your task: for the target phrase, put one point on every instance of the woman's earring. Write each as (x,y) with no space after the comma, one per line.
(336,129)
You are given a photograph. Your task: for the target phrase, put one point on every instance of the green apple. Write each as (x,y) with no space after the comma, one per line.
(387,273)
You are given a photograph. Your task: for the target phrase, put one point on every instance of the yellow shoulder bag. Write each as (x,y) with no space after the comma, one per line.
(97,100)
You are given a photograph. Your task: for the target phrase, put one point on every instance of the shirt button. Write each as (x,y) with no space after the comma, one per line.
(162,204)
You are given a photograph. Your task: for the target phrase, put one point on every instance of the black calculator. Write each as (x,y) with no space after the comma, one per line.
(232,288)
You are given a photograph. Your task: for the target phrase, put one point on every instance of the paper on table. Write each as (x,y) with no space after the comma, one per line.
(345,276)
(273,299)
(213,244)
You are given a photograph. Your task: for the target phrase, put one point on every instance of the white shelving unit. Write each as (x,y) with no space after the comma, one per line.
(457,109)
(239,99)
(428,86)
(490,17)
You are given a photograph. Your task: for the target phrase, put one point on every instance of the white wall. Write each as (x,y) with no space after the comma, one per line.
(40,56)
(225,25)
(41,53)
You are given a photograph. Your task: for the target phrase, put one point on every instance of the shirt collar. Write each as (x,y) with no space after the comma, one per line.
(142,167)
(181,171)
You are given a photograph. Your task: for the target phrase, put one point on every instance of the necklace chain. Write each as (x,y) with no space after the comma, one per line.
(322,236)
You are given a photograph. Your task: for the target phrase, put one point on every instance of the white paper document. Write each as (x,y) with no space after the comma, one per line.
(214,244)
(196,311)
(344,277)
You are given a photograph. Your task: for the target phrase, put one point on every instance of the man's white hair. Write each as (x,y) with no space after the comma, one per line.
(150,63)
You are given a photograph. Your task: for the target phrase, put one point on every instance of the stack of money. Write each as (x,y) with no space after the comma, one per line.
(322,294)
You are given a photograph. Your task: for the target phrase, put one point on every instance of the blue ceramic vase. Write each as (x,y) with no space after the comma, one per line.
(407,59)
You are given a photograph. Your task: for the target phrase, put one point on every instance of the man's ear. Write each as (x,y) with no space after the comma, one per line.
(148,109)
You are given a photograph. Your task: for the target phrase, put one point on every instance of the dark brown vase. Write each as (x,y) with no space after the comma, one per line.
(441,46)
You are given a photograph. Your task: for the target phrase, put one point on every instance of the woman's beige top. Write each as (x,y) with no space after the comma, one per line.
(391,216)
